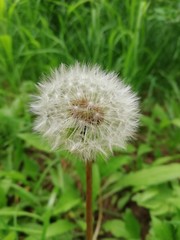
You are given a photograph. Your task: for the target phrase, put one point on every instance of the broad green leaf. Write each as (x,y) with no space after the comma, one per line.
(25,194)
(13,175)
(123,200)
(31,167)
(166,159)
(32,237)
(32,229)
(5,185)
(162,230)
(144,148)
(148,122)
(58,228)
(130,148)
(117,228)
(176,122)
(153,199)
(82,224)
(11,236)
(6,43)
(151,176)
(35,141)
(159,112)
(113,164)
(2,8)
(8,211)
(132,225)
(111,181)
(66,202)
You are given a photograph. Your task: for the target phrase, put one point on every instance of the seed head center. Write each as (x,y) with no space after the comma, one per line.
(84,110)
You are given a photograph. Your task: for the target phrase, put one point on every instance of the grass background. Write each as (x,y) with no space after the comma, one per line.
(137,191)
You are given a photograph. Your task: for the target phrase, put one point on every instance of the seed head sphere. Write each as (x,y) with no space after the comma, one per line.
(85,110)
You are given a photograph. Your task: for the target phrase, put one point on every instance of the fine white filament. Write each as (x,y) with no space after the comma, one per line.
(85,110)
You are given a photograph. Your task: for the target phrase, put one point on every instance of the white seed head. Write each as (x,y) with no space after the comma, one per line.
(85,110)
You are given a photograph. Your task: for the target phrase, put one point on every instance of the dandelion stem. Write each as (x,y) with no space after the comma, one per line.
(89,215)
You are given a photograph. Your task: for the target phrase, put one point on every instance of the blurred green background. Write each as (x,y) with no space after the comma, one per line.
(136,194)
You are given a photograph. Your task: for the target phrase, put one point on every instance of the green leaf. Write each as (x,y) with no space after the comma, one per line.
(25,194)
(176,122)
(66,202)
(3,197)
(6,43)
(81,224)
(13,175)
(33,229)
(18,213)
(160,113)
(153,199)
(132,225)
(11,236)
(116,228)
(58,228)
(130,148)
(161,230)
(96,180)
(2,8)
(123,200)
(31,167)
(144,148)
(148,122)
(151,176)
(166,159)
(113,164)
(32,237)
(35,141)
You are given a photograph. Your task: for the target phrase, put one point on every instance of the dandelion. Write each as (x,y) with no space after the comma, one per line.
(88,112)
(85,110)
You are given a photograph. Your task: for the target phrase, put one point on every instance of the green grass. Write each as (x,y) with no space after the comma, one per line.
(42,193)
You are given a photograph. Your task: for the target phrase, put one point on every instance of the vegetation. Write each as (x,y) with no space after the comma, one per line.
(136,193)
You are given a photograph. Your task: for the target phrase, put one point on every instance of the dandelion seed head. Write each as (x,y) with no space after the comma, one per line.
(85,110)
